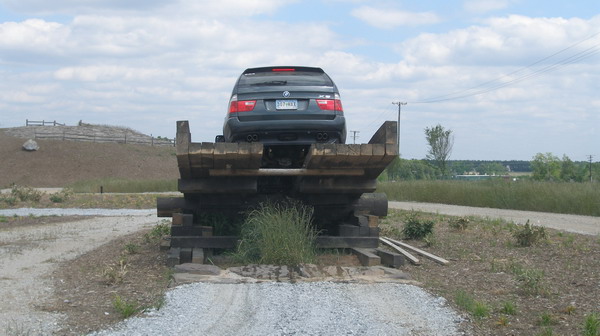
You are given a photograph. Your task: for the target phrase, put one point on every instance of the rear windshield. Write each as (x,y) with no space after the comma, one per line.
(288,78)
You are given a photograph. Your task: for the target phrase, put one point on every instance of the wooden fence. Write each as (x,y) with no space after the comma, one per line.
(123,139)
(42,123)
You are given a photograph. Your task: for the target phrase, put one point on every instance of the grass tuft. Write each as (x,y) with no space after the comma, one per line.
(416,228)
(124,308)
(591,325)
(280,234)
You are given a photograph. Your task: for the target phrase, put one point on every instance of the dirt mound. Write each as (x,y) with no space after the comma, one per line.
(58,163)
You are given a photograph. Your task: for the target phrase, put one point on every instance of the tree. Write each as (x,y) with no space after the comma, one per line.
(440,143)
(546,167)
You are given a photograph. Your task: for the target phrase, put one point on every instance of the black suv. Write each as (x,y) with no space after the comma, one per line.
(285,105)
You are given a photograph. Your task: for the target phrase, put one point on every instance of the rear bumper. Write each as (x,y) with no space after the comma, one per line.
(286,131)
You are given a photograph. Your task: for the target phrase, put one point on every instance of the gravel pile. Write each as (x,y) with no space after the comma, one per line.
(318,308)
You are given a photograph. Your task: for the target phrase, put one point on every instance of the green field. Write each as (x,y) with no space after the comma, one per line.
(558,197)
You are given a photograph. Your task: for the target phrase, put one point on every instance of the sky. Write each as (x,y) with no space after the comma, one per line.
(510,78)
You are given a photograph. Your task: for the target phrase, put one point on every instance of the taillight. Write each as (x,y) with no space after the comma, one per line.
(330,104)
(241,105)
(283,69)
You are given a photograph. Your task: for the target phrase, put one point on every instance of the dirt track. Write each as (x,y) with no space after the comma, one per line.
(572,223)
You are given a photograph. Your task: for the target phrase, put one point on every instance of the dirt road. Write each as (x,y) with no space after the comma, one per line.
(29,254)
(572,223)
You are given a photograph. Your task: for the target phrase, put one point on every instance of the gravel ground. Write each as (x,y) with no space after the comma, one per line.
(319,308)
(572,223)
(77,212)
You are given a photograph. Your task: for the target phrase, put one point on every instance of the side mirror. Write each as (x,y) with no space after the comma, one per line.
(219,138)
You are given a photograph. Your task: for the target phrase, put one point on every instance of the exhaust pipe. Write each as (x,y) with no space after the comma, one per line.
(322,136)
(252,137)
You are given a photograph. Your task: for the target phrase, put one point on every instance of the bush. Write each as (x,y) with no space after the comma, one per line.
(280,234)
(528,234)
(415,228)
(26,193)
(61,196)
(126,309)
(460,223)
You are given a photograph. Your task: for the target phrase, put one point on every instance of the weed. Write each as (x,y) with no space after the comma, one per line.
(460,223)
(430,239)
(546,332)
(480,310)
(529,234)
(591,325)
(132,248)
(163,228)
(3,219)
(280,234)
(464,300)
(530,281)
(415,228)
(9,199)
(546,319)
(61,196)
(126,309)
(115,274)
(509,308)
(502,321)
(569,310)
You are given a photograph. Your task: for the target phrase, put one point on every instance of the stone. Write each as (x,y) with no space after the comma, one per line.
(200,269)
(30,145)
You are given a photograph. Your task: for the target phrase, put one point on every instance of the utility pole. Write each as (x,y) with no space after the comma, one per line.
(398,126)
(590,157)
(354,135)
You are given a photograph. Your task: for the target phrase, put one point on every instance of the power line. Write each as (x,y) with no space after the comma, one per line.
(494,84)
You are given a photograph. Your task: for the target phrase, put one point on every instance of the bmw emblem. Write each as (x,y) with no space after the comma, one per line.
(286,94)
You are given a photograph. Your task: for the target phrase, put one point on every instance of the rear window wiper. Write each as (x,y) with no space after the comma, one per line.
(271,83)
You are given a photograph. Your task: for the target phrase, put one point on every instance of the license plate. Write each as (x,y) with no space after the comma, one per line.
(287,104)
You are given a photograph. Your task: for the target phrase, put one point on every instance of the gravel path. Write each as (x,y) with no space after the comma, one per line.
(29,254)
(318,308)
(572,223)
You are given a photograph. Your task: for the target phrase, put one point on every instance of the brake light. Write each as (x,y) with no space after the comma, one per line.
(280,70)
(330,104)
(241,105)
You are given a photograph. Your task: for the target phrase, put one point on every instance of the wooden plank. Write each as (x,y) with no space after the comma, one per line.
(180,219)
(221,242)
(166,206)
(338,184)
(426,254)
(328,159)
(173,256)
(256,154)
(378,154)
(414,260)
(386,134)
(367,257)
(346,242)
(346,230)
(389,258)
(287,172)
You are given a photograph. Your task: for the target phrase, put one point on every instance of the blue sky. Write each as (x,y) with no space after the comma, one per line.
(516,77)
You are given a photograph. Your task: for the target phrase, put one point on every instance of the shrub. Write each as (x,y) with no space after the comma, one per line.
(529,234)
(415,228)
(9,199)
(61,196)
(26,193)
(163,228)
(132,248)
(530,281)
(508,308)
(280,234)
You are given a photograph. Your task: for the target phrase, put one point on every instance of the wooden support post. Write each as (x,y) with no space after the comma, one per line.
(197,256)
(367,257)
(173,257)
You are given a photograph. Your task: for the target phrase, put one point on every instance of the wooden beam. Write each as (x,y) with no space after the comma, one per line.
(286,172)
(221,242)
(219,185)
(390,259)
(408,256)
(367,257)
(426,254)
(346,242)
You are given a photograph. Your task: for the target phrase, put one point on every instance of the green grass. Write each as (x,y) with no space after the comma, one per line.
(124,308)
(280,234)
(591,325)
(509,308)
(113,185)
(558,197)
(467,302)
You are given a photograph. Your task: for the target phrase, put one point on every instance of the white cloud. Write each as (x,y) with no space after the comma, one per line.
(485,6)
(386,18)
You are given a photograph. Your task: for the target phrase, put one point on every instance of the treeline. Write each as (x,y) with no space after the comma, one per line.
(543,167)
